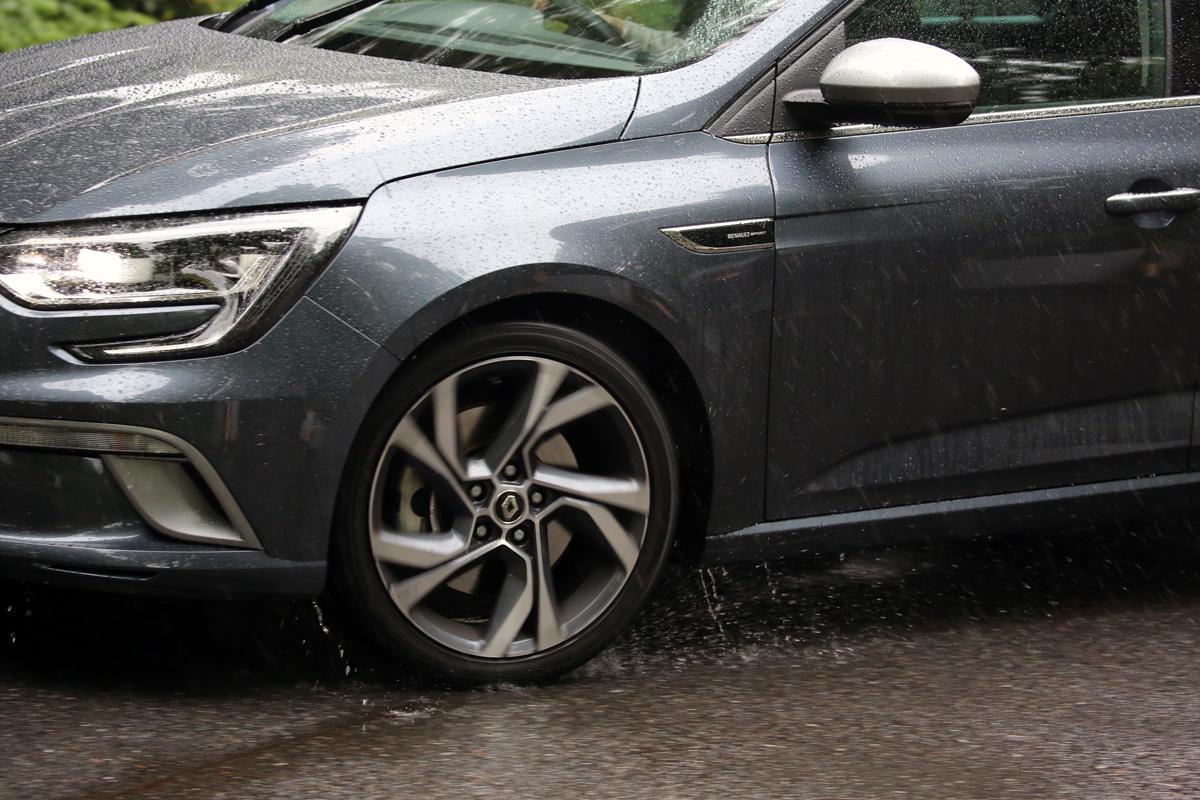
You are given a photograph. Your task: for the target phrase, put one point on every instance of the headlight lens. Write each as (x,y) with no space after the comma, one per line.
(249,264)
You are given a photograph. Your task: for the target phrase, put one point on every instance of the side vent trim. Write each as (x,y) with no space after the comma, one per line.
(725,237)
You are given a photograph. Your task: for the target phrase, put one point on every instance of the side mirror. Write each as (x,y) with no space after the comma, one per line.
(892,82)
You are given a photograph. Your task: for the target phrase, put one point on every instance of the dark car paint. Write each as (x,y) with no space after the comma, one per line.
(93,536)
(920,355)
(586,222)
(494,188)
(177,118)
(275,419)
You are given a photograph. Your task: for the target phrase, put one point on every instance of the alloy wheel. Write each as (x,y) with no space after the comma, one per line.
(509,507)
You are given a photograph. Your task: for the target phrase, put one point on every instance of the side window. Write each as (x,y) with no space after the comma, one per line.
(1036,52)
(1185,46)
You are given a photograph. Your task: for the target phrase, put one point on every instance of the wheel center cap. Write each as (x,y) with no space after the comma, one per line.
(510,507)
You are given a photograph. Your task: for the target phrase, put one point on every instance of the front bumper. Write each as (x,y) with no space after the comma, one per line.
(65,521)
(275,422)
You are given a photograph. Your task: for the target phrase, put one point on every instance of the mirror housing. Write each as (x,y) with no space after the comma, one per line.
(894,82)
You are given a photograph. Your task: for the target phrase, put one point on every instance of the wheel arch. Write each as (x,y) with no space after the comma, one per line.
(632,335)
(583,229)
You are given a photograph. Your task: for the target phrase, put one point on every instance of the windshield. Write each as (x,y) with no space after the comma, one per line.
(541,38)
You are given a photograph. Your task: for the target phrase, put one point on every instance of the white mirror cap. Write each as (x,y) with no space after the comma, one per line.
(899,71)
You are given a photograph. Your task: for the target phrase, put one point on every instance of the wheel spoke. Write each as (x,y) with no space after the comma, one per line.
(527,414)
(576,405)
(408,593)
(420,550)
(625,493)
(549,629)
(409,438)
(478,470)
(512,609)
(624,546)
(474,588)
(445,423)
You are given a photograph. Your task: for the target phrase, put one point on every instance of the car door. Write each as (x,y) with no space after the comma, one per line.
(962,311)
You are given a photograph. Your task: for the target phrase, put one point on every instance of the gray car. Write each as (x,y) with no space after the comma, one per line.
(477,313)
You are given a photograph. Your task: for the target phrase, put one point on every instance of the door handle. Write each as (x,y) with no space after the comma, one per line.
(1123,205)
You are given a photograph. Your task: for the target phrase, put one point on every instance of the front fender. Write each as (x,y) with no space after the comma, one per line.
(586,222)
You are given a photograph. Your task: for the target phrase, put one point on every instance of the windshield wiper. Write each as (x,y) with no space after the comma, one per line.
(258,18)
(243,11)
(302,26)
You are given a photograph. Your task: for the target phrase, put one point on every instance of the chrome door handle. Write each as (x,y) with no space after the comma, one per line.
(1123,205)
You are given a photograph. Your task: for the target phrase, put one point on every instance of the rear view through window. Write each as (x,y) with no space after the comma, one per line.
(544,38)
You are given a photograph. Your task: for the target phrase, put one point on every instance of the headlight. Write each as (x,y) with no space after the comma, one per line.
(252,265)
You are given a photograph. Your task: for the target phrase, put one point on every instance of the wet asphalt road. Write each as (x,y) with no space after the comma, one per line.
(1024,667)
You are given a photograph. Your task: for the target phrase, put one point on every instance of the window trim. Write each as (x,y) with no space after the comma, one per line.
(982,118)
(979,118)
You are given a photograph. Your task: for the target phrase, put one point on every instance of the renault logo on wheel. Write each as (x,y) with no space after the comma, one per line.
(510,507)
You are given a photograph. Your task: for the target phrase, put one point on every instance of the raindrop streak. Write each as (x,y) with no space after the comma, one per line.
(709,601)
(770,580)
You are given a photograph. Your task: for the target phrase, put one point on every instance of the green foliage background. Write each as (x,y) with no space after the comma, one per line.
(29,22)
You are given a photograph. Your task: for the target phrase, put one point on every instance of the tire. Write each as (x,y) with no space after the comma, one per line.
(541,531)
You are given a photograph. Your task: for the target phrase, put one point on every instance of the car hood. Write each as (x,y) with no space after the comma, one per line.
(176,118)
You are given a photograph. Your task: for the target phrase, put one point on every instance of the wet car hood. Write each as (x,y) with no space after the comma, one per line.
(175,118)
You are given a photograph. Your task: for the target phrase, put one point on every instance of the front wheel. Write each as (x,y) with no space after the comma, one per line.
(509,506)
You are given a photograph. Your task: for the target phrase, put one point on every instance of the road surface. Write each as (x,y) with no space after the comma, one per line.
(1022,667)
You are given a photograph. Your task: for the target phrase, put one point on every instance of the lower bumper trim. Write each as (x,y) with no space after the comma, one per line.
(145,564)
(148,466)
